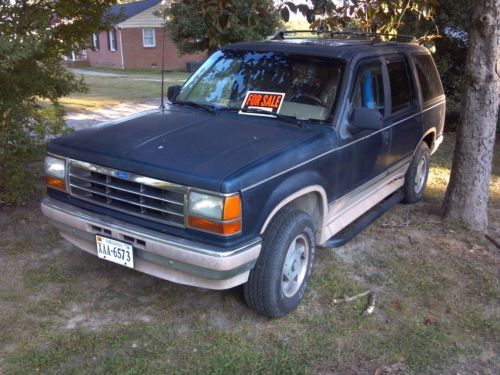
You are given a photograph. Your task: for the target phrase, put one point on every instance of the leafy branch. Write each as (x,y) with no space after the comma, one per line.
(369,16)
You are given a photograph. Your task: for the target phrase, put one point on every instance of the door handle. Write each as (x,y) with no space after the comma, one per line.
(386,136)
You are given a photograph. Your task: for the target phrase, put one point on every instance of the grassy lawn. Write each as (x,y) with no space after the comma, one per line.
(136,72)
(437,308)
(110,91)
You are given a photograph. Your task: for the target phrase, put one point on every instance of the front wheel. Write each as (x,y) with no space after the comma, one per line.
(417,174)
(279,279)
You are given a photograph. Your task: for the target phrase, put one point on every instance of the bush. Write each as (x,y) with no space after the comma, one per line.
(22,147)
(34,37)
(200,26)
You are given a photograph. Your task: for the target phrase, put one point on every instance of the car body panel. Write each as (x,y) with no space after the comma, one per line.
(183,145)
(269,162)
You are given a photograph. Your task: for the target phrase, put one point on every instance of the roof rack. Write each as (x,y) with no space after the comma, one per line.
(280,35)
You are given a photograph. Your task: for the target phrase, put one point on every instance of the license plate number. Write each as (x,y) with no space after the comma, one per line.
(115,251)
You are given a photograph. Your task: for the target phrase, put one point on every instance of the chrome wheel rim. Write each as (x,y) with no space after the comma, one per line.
(421,174)
(295,266)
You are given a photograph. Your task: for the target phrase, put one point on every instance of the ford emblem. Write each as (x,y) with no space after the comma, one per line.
(122,175)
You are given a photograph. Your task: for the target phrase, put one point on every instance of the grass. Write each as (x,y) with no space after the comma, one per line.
(133,87)
(437,287)
(156,348)
(129,72)
(440,171)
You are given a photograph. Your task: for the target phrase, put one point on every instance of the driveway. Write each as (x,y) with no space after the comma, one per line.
(133,77)
(79,120)
(86,72)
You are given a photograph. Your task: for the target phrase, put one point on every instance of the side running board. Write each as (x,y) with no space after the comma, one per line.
(347,234)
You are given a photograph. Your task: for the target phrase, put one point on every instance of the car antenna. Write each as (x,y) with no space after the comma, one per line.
(162,102)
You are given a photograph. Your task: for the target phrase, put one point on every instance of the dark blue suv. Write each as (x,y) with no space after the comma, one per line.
(268,150)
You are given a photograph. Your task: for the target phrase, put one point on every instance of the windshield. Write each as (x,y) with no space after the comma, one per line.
(308,85)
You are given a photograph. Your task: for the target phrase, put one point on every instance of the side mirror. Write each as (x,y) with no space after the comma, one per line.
(173,91)
(367,119)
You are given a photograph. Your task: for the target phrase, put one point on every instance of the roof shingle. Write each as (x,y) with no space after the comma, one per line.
(125,11)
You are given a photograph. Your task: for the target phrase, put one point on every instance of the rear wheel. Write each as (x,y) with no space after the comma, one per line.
(417,174)
(279,279)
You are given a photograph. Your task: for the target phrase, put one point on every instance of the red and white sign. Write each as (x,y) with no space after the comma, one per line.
(263,100)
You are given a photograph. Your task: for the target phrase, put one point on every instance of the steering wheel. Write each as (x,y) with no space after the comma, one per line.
(312,98)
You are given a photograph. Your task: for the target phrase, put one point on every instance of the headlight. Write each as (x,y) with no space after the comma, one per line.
(55,172)
(205,205)
(214,213)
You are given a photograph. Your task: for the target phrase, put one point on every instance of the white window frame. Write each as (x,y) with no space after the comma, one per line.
(95,41)
(112,40)
(153,35)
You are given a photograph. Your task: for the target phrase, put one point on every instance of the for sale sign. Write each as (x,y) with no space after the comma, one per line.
(262,100)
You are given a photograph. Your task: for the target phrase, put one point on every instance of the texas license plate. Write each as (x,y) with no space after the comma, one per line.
(115,251)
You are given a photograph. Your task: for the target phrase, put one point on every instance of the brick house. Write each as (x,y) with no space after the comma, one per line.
(135,41)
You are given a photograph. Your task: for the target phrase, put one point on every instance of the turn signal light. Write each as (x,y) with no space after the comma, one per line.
(215,213)
(224,228)
(232,208)
(56,183)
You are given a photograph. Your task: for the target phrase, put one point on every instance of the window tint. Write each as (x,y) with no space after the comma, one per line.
(309,84)
(428,77)
(401,93)
(369,88)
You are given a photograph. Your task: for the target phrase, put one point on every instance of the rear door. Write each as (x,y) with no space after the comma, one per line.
(432,95)
(404,109)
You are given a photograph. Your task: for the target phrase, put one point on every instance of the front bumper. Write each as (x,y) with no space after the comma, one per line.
(161,255)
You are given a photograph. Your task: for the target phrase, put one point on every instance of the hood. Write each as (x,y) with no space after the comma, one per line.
(182,145)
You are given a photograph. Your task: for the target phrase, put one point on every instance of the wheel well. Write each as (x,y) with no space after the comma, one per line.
(429,139)
(311,204)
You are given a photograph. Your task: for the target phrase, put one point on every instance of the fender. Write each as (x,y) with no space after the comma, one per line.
(293,188)
(427,132)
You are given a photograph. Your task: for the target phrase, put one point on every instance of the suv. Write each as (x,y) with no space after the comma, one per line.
(268,150)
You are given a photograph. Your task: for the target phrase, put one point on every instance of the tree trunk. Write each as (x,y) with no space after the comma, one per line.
(467,195)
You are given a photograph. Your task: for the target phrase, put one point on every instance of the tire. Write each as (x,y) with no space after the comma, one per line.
(417,174)
(276,287)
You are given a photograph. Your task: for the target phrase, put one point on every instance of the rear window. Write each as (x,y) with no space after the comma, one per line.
(401,93)
(430,83)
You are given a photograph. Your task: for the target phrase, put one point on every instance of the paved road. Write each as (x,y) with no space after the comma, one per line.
(94,73)
(78,120)
(133,77)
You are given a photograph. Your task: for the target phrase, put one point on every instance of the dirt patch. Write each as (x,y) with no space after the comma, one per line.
(437,307)
(485,363)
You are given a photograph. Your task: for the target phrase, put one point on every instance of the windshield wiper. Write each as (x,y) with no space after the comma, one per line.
(205,107)
(264,112)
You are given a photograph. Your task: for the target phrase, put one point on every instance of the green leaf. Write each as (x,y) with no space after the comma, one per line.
(252,20)
(291,6)
(207,18)
(303,8)
(311,16)
(285,14)
(224,21)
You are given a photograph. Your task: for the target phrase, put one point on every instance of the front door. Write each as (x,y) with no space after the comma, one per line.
(363,154)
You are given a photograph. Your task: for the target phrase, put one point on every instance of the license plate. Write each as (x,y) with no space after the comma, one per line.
(115,251)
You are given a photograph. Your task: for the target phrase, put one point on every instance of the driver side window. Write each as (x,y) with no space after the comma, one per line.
(369,88)
(366,93)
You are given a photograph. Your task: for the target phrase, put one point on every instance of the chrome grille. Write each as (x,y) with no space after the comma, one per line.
(136,195)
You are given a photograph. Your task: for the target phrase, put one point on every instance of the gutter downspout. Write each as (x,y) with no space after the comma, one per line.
(121,47)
